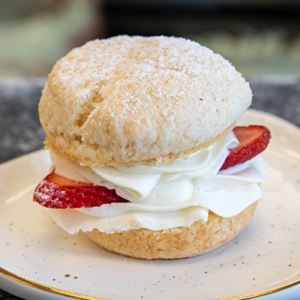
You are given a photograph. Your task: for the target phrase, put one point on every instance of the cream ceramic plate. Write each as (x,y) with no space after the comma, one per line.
(38,260)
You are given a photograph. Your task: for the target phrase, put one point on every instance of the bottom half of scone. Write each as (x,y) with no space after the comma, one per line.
(176,242)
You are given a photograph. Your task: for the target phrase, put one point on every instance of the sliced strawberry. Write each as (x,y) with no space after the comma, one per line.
(253,140)
(55,191)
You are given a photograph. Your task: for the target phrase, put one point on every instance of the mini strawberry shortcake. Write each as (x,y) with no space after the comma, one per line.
(147,160)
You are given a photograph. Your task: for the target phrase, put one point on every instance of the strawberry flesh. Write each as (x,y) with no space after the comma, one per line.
(253,140)
(55,191)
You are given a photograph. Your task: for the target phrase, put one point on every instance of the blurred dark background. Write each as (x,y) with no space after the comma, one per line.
(259,37)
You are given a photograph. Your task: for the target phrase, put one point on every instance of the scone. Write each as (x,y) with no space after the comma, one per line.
(147,159)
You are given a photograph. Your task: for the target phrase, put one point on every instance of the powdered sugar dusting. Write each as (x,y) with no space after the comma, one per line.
(117,67)
(144,97)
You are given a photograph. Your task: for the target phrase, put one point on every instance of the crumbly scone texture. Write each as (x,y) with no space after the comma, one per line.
(132,100)
(176,242)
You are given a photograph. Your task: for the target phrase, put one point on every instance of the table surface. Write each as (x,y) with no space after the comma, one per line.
(22,133)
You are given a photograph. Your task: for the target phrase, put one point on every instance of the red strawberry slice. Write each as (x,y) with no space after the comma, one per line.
(55,191)
(253,140)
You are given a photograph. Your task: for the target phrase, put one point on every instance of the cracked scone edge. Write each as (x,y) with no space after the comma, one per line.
(137,104)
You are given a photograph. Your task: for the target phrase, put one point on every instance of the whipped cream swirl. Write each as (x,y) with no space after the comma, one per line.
(175,194)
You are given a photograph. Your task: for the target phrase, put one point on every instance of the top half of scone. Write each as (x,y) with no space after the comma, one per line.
(137,100)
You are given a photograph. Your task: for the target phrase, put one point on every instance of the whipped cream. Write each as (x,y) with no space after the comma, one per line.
(175,194)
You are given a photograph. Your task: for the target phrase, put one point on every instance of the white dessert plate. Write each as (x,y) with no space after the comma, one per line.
(38,260)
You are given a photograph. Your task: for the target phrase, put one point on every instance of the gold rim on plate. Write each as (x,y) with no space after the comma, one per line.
(49,289)
(72,295)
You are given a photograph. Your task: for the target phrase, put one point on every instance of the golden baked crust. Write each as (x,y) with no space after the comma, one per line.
(176,242)
(94,156)
(135,100)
